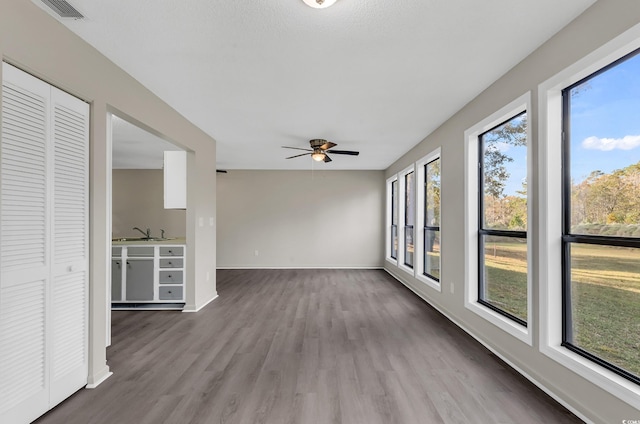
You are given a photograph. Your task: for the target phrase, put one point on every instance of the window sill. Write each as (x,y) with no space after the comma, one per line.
(430,282)
(602,377)
(513,328)
(406,269)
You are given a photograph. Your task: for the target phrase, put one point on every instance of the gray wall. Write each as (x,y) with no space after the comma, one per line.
(34,41)
(138,201)
(300,219)
(599,24)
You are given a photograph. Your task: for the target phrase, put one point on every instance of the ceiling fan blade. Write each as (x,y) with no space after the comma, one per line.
(297,148)
(326,158)
(343,152)
(304,154)
(328,145)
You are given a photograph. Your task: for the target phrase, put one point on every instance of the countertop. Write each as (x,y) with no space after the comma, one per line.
(170,241)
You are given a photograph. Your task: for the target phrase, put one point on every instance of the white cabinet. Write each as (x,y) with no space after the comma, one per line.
(175,180)
(147,274)
(44,247)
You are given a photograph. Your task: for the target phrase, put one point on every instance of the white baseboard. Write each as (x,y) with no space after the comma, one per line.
(99,381)
(541,386)
(192,308)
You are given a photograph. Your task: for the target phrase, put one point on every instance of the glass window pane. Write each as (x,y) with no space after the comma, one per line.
(409,206)
(605,303)
(432,254)
(394,202)
(504,166)
(604,117)
(409,218)
(394,219)
(408,251)
(505,274)
(432,194)
(394,241)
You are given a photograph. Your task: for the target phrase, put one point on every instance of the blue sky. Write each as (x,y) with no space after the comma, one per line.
(605,126)
(605,121)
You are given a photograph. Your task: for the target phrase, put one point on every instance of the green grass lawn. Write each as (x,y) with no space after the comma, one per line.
(605,293)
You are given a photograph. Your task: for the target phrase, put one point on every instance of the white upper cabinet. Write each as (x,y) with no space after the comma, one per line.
(175,180)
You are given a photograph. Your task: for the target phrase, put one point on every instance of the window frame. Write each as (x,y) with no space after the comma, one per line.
(550,229)
(419,264)
(402,218)
(391,203)
(472,220)
(569,239)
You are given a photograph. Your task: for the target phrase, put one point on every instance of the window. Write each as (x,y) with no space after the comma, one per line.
(431,250)
(502,225)
(428,216)
(575,244)
(409,218)
(498,251)
(394,219)
(601,217)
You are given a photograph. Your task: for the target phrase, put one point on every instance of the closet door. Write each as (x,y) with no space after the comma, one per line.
(24,247)
(69,289)
(43,246)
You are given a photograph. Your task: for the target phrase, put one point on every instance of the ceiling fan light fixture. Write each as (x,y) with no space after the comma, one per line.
(319,4)
(318,156)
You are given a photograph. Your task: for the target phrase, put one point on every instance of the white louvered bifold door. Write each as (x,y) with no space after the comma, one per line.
(69,289)
(43,246)
(25,248)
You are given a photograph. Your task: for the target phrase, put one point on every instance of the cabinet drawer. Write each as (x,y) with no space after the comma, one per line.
(171,263)
(170,293)
(140,251)
(116,251)
(172,251)
(171,277)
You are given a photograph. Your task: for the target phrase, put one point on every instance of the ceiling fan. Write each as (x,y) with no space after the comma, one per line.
(320,148)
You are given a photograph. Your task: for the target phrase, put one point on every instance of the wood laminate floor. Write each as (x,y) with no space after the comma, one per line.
(308,347)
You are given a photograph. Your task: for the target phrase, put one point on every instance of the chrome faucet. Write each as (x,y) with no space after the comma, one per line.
(147,234)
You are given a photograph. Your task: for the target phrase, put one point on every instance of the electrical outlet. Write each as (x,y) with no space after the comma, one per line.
(256,253)
(211,221)
(201,221)
(208,276)
(451,287)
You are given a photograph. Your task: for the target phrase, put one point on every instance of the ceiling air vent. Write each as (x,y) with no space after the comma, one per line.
(63,9)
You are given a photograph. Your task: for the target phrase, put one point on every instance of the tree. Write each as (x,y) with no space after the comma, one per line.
(511,133)
(503,211)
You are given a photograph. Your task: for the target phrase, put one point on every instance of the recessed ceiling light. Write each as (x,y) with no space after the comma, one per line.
(319,4)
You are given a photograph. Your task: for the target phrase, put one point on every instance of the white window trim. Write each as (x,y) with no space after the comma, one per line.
(550,230)
(519,105)
(389,207)
(418,260)
(401,221)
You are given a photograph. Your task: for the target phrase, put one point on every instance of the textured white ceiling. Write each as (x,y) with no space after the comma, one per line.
(371,75)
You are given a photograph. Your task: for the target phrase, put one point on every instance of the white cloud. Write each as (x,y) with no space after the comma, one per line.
(500,146)
(627,142)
